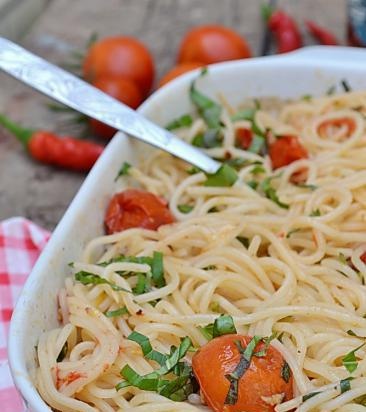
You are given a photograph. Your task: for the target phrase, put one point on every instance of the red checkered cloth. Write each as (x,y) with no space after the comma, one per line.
(21,242)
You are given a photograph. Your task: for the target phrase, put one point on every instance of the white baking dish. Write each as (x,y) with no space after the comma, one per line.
(309,71)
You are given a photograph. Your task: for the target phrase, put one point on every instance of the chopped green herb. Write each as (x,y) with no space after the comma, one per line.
(253,184)
(215,307)
(223,325)
(286,372)
(315,213)
(307,186)
(143,284)
(71,264)
(342,259)
(258,143)
(267,342)
(207,331)
(211,138)
(184,121)
(345,384)
(292,231)
(307,97)
(185,208)
(210,267)
(351,333)
(207,108)
(225,176)
(244,241)
(87,278)
(246,114)
(193,170)
(198,140)
(63,352)
(309,395)
(117,312)
(349,361)
(346,86)
(236,162)
(123,171)
(146,348)
(280,336)
(271,193)
(258,169)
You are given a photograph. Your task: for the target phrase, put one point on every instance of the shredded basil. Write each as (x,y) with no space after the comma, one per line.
(271,193)
(226,176)
(244,241)
(253,184)
(315,213)
(183,121)
(87,278)
(123,171)
(345,384)
(307,186)
(207,331)
(257,144)
(185,208)
(258,169)
(117,312)
(193,170)
(286,372)
(236,162)
(209,139)
(223,325)
(349,361)
(309,395)
(246,114)
(342,259)
(347,88)
(267,342)
(146,348)
(63,352)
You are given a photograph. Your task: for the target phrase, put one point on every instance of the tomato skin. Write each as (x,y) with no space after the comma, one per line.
(363,257)
(136,208)
(220,357)
(120,56)
(336,122)
(211,44)
(244,138)
(285,150)
(178,70)
(122,89)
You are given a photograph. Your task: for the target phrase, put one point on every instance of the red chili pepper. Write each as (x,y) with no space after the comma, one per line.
(46,147)
(322,35)
(286,32)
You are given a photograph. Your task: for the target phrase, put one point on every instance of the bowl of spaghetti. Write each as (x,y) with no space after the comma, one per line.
(167,289)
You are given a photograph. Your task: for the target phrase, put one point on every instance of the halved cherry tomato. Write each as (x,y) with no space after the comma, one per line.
(259,389)
(244,138)
(336,123)
(212,44)
(136,208)
(285,150)
(120,88)
(363,257)
(179,70)
(120,56)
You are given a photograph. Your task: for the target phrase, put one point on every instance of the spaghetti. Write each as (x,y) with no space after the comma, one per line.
(280,251)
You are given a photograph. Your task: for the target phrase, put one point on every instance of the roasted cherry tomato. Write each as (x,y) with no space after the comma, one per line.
(179,70)
(212,44)
(122,89)
(136,208)
(335,124)
(363,257)
(244,138)
(120,56)
(263,385)
(285,150)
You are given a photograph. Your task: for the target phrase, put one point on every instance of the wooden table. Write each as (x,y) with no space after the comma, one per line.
(42,193)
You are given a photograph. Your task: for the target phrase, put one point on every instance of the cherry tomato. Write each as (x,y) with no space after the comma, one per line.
(136,208)
(212,44)
(120,56)
(342,122)
(257,388)
(120,88)
(285,150)
(363,257)
(244,138)
(179,70)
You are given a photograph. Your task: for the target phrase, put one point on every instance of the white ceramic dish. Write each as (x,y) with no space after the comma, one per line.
(312,70)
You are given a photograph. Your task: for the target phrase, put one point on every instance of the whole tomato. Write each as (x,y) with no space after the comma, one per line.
(179,70)
(122,89)
(211,44)
(120,56)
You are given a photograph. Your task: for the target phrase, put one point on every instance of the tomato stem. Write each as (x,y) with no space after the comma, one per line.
(22,134)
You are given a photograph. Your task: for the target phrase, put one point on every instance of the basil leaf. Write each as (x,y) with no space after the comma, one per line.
(193,170)
(207,108)
(185,208)
(236,162)
(226,176)
(174,386)
(118,312)
(198,140)
(345,384)
(258,169)
(149,382)
(87,278)
(347,88)
(207,331)
(307,186)
(349,361)
(253,184)
(286,372)
(63,352)
(223,325)
(315,213)
(244,241)
(123,171)
(309,395)
(183,121)
(258,143)
(143,284)
(267,342)
(246,114)
(157,270)
(271,193)
(211,138)
(147,349)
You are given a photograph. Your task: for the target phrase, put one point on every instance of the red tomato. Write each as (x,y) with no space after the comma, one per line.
(260,382)
(120,56)
(244,138)
(179,70)
(285,150)
(120,88)
(337,123)
(212,44)
(136,208)
(363,257)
